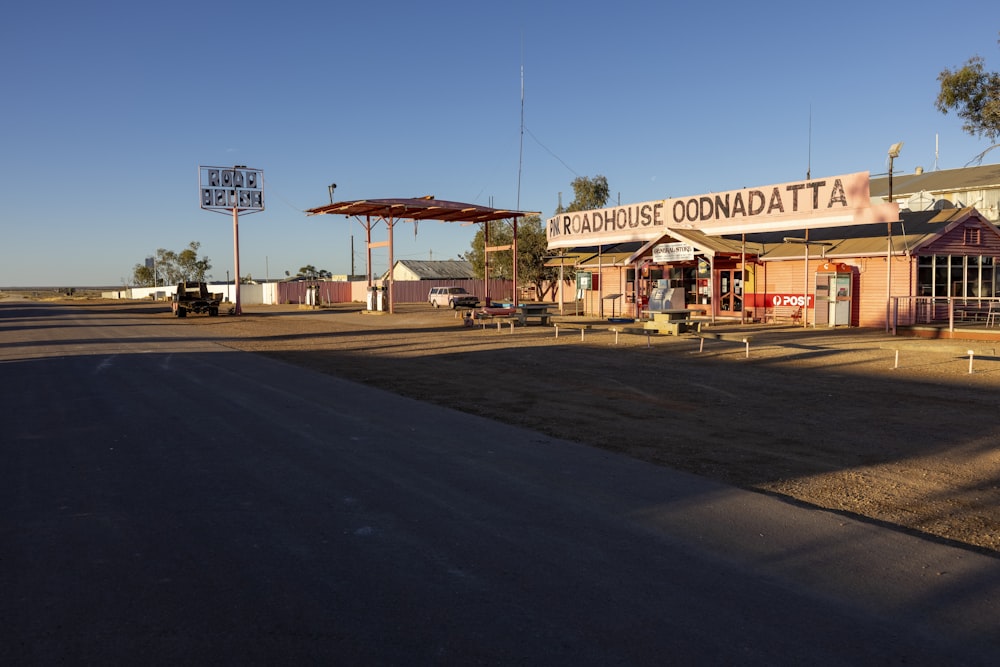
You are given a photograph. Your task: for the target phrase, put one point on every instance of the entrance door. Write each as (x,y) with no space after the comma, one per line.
(730,290)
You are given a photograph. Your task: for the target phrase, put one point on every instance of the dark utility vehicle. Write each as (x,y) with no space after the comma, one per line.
(194,298)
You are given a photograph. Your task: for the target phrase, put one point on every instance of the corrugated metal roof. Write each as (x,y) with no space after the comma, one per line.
(945,180)
(608,255)
(716,244)
(587,255)
(447,269)
(912,230)
(418,209)
(568,258)
(605,259)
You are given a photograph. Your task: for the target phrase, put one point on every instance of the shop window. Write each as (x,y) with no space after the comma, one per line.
(989,279)
(958,276)
(925,276)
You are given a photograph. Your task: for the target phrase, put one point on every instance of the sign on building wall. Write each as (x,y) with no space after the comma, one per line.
(810,204)
(664,253)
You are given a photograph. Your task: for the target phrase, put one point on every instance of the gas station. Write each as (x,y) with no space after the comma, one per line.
(817,252)
(370,212)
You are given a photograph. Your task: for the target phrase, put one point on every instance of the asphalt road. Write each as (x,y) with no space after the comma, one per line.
(167,500)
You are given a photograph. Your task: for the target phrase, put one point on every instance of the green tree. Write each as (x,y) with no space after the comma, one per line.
(532,251)
(532,243)
(500,234)
(189,266)
(312,273)
(173,267)
(532,248)
(588,194)
(143,276)
(974,95)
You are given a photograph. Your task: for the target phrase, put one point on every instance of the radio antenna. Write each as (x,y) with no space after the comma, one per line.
(520,149)
(810,149)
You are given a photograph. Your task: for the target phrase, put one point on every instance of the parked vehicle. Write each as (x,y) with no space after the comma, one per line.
(194,297)
(453,297)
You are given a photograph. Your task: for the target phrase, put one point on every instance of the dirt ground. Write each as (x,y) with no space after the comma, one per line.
(818,416)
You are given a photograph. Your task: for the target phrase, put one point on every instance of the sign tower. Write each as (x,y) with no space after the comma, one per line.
(233,190)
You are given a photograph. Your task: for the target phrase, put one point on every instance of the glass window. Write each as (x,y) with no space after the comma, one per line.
(950,275)
(925,275)
(989,277)
(940,281)
(957,277)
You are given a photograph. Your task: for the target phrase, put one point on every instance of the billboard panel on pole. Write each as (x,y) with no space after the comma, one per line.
(228,188)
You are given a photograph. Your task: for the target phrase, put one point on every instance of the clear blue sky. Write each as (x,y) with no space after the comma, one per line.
(109,108)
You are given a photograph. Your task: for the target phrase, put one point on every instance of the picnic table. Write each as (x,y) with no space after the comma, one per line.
(535,311)
(670,320)
(499,315)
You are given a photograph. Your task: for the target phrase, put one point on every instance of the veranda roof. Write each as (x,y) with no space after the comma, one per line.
(420,208)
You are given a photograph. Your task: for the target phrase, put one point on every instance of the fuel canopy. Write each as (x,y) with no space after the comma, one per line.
(390,211)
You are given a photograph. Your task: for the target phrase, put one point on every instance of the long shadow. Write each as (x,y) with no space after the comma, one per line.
(754,423)
(116,493)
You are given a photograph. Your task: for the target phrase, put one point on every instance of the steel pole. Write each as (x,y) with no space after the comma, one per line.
(805,293)
(236,258)
(888,255)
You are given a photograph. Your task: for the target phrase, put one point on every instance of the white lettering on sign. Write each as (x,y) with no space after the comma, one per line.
(232,187)
(793,300)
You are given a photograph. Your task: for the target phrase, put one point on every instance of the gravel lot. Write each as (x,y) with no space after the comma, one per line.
(819,416)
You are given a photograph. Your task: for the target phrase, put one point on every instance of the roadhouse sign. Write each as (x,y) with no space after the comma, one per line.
(821,202)
(232,187)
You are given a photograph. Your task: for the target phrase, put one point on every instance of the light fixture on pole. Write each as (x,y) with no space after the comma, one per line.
(893,154)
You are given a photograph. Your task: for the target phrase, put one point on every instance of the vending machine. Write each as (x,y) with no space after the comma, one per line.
(833,294)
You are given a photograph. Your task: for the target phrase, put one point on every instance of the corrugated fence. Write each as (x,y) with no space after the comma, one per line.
(403,291)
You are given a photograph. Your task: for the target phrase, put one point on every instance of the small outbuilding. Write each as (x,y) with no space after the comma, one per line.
(415,269)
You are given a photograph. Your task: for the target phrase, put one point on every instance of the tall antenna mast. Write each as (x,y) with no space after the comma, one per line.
(520,148)
(810,151)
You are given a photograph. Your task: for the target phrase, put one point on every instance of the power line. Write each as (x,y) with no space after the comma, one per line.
(572,171)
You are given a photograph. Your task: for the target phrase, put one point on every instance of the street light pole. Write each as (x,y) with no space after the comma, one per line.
(893,154)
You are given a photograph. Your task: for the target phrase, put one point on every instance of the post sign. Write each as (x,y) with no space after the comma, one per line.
(229,188)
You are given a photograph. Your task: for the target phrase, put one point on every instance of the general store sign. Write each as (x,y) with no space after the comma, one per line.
(665,253)
(810,204)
